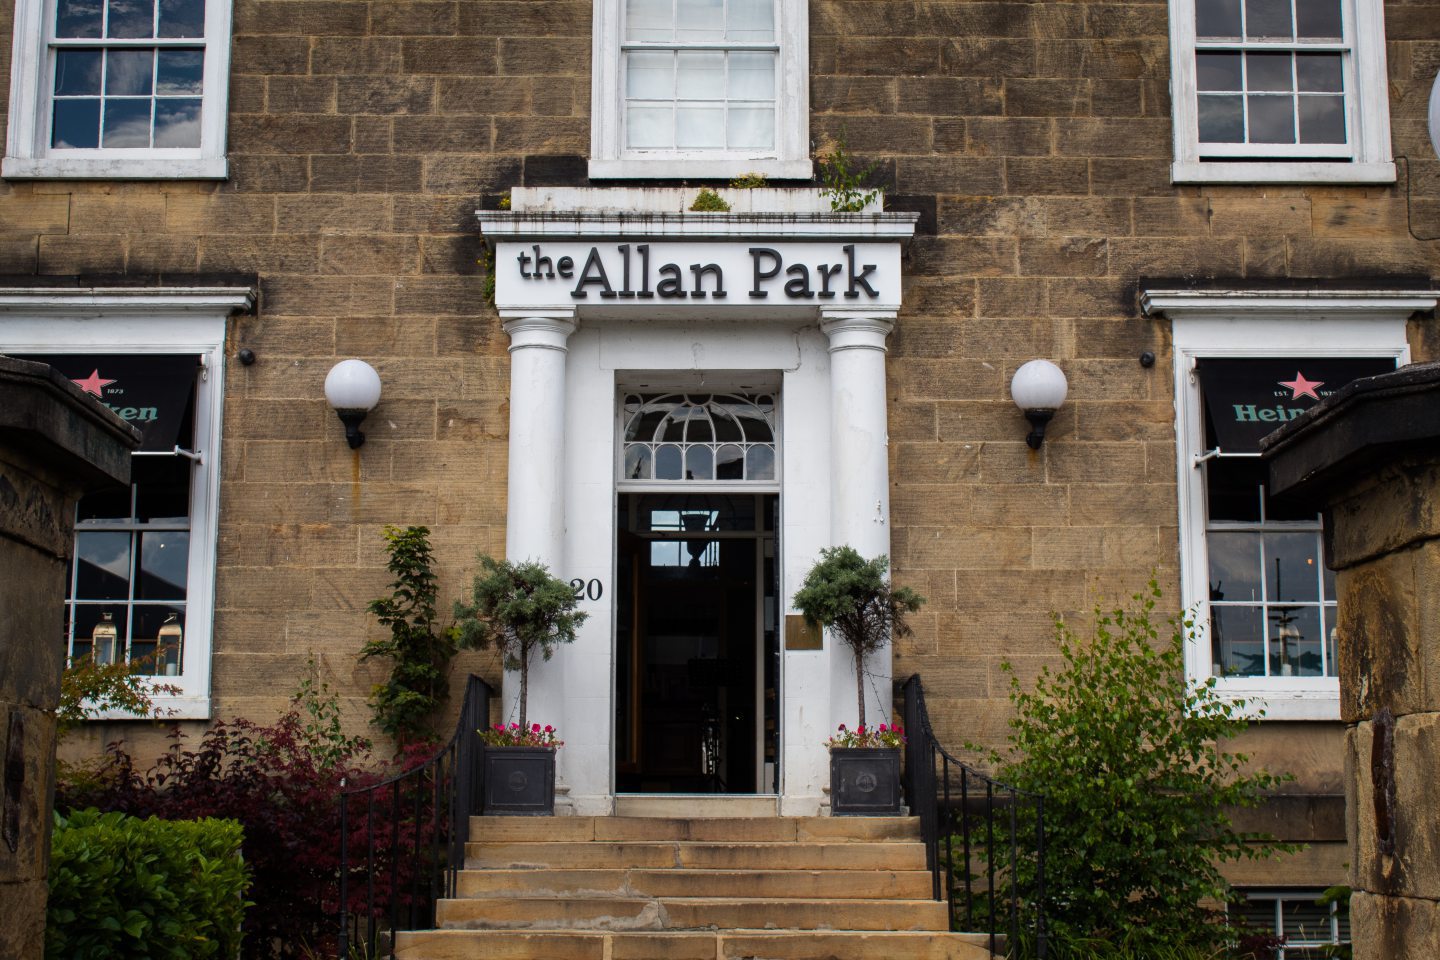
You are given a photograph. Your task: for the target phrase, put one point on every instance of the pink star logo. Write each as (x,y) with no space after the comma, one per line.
(1300,387)
(93,383)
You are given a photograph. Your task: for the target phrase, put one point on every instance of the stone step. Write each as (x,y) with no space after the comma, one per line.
(816,855)
(772,884)
(615,913)
(732,829)
(692,805)
(708,945)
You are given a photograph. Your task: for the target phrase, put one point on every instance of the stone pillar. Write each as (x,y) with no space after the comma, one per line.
(535,517)
(1370,457)
(55,444)
(860,478)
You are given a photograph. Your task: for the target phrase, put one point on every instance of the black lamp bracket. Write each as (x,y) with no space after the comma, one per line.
(352,420)
(1038,419)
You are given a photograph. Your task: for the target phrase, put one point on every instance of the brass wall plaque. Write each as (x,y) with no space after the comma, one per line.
(801,634)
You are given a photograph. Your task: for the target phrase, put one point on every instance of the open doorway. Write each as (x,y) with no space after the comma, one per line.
(697,646)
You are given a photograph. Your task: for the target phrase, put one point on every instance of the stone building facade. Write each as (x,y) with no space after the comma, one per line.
(1083,182)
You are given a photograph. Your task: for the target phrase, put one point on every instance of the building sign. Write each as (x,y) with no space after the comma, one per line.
(1246,399)
(150,393)
(678,275)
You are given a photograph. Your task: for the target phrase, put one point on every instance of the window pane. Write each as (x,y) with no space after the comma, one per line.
(1234,486)
(164,565)
(1267,18)
(756,429)
(1292,567)
(1222,119)
(699,127)
(700,75)
(106,505)
(78,18)
(1295,641)
(699,20)
(730,463)
(177,123)
(129,73)
(1318,19)
(1237,641)
(699,464)
(751,129)
(637,462)
(1234,565)
(76,124)
(1272,119)
(1319,73)
(650,75)
(1322,120)
(127,123)
(752,20)
(1268,71)
(103,566)
(1217,18)
(667,463)
(647,127)
(131,18)
(1218,71)
(162,490)
(77,73)
(179,72)
(182,18)
(89,616)
(726,426)
(159,639)
(752,76)
(760,463)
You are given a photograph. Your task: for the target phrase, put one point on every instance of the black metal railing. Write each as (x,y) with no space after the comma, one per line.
(984,840)
(402,840)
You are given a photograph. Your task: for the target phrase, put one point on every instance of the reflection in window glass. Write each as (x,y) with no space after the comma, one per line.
(699,437)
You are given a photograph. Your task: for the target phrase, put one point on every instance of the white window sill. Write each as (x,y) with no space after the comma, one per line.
(1280,171)
(180,707)
(114,168)
(1285,699)
(710,168)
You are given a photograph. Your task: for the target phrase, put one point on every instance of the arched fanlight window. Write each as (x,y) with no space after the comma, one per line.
(702,438)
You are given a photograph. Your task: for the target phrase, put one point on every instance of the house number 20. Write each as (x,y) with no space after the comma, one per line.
(587,589)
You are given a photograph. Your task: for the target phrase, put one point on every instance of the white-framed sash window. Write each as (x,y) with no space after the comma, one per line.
(1280,91)
(119,89)
(700,88)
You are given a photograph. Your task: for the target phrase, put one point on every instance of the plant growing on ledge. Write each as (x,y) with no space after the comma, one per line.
(844,185)
(519,609)
(404,705)
(853,598)
(708,201)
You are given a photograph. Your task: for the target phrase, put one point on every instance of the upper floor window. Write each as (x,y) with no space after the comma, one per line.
(119,89)
(702,88)
(1280,91)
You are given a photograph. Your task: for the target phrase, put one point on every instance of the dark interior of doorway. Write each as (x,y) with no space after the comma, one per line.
(697,651)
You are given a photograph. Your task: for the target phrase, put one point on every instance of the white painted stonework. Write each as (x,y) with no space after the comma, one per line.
(570,357)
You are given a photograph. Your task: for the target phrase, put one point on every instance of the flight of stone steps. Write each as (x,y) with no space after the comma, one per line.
(693,888)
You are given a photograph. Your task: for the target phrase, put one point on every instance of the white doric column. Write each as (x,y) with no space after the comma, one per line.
(535,506)
(860,477)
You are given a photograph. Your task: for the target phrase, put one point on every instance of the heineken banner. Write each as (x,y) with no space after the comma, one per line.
(1246,399)
(151,393)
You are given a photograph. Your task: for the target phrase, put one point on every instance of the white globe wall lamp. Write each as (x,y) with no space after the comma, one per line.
(353,389)
(1435,116)
(1038,389)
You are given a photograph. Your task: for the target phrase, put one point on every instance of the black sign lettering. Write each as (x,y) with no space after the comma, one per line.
(756,253)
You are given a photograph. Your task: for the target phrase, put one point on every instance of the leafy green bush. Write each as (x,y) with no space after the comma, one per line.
(123,887)
(1129,757)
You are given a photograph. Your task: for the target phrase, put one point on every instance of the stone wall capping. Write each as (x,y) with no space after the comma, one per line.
(120,300)
(92,444)
(1222,302)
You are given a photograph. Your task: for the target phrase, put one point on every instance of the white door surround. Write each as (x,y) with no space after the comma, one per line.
(571,353)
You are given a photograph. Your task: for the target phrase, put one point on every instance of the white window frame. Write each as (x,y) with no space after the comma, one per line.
(789,160)
(1280,897)
(28,154)
(1367,107)
(1235,324)
(152,321)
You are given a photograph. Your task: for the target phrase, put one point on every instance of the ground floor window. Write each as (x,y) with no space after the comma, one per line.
(1310,924)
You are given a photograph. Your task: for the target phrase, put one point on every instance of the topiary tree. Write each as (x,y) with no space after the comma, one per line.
(1129,757)
(518,608)
(404,706)
(853,598)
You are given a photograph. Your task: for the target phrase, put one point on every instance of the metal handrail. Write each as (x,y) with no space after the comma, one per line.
(416,825)
(959,808)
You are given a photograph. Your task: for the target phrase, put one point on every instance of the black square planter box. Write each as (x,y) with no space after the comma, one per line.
(865,781)
(519,781)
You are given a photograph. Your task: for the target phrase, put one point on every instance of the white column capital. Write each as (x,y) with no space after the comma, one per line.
(538,328)
(857,329)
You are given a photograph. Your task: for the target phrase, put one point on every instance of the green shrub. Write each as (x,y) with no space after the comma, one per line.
(708,201)
(1138,786)
(122,887)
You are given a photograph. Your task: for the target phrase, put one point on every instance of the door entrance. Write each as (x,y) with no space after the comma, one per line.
(697,645)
